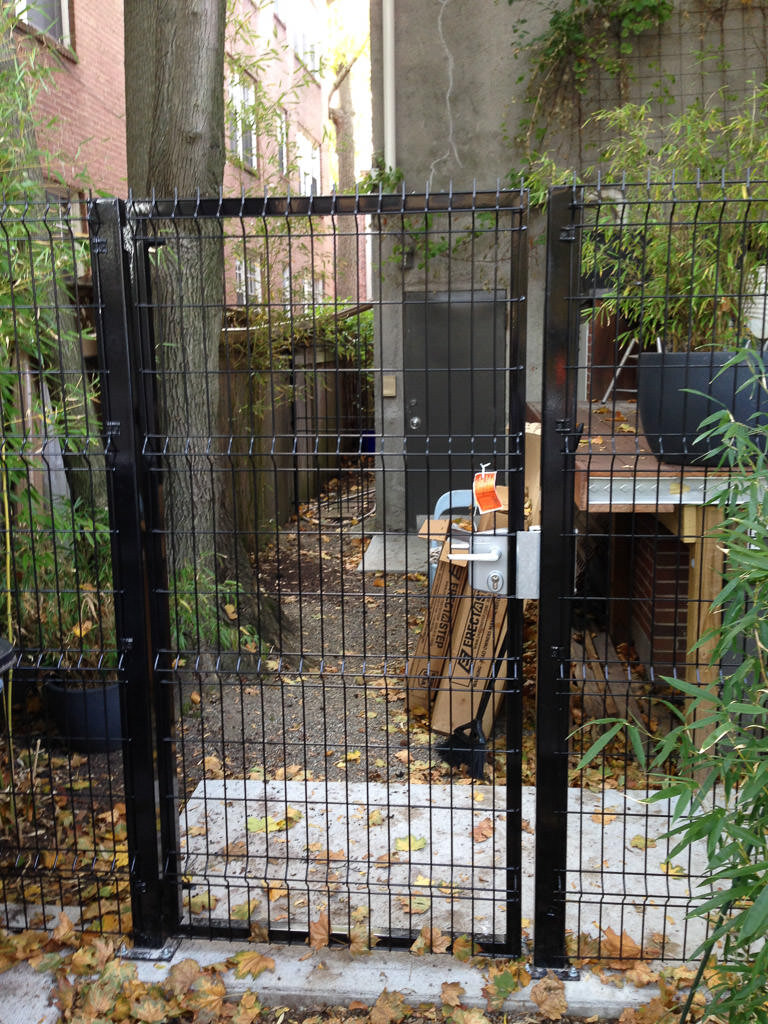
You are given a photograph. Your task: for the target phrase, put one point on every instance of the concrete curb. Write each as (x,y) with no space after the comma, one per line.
(330,977)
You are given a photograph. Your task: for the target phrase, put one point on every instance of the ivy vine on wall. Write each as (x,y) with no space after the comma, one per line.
(583,39)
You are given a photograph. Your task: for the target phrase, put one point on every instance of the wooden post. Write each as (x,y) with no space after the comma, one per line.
(705,581)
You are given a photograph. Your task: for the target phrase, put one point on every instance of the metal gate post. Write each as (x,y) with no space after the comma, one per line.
(121,401)
(559,439)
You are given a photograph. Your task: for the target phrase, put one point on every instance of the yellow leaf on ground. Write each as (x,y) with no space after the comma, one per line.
(605,817)
(252,963)
(409,842)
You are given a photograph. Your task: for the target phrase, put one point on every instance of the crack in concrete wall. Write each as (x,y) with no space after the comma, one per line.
(452,148)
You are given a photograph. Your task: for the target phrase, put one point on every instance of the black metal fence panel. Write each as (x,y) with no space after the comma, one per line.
(63,816)
(649,291)
(306,378)
(322,722)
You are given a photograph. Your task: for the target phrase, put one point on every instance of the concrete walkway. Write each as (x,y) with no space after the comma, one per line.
(331,978)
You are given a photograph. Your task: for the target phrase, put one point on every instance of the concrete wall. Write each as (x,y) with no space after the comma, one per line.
(459,94)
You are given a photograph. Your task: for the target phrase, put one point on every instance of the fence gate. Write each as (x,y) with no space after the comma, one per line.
(289,387)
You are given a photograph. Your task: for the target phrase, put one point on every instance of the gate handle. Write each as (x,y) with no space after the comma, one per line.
(492,555)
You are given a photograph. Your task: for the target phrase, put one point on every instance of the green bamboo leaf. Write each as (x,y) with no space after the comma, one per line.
(601,743)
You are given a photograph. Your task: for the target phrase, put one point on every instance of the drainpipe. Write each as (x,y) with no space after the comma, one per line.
(388,61)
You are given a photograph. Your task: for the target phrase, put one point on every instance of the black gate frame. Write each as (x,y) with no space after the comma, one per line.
(123,300)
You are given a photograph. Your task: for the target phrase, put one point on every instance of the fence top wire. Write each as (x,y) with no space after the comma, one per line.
(302,206)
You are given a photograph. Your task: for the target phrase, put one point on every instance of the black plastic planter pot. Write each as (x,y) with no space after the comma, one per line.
(87,718)
(677,390)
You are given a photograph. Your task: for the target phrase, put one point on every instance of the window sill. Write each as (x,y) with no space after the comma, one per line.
(49,41)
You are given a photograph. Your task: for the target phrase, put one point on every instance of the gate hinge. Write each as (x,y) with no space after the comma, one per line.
(568,233)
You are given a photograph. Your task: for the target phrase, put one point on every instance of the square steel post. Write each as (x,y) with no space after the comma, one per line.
(559,439)
(114,271)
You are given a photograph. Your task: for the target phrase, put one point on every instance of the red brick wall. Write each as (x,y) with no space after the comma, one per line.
(659,595)
(86,99)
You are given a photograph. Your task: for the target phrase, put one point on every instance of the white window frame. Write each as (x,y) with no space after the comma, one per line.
(25,8)
(242,94)
(283,163)
(248,286)
(308,163)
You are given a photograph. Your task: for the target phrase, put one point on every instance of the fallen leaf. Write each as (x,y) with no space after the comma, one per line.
(409,842)
(269,824)
(64,932)
(275,890)
(464,948)
(620,947)
(675,870)
(231,612)
(251,962)
(430,940)
(605,816)
(182,975)
(202,903)
(451,993)
(504,978)
(248,1009)
(375,818)
(640,975)
(642,843)
(389,1008)
(549,996)
(415,904)
(482,831)
(361,940)
(243,911)
(319,932)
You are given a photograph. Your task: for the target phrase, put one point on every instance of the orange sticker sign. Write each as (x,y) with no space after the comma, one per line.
(484,491)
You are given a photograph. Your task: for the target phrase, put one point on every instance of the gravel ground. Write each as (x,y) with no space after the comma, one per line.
(334,706)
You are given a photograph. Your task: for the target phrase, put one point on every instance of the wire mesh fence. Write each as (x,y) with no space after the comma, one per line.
(330,722)
(62,799)
(315,373)
(656,288)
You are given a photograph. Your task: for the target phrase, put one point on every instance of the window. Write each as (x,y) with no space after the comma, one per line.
(282,143)
(247,282)
(242,99)
(308,160)
(48,16)
(302,23)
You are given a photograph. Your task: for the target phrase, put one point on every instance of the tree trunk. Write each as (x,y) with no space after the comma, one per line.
(342,117)
(175,144)
(175,141)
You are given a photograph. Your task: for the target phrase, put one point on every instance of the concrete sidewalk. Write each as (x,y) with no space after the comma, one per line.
(331,978)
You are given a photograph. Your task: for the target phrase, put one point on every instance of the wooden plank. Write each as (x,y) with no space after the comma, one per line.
(617,675)
(593,701)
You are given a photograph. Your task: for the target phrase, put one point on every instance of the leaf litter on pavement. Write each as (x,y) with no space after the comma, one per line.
(91,984)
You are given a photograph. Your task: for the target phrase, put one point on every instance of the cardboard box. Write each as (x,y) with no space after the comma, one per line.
(424,670)
(479,632)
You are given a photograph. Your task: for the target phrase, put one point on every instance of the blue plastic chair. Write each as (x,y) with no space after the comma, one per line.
(451,502)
